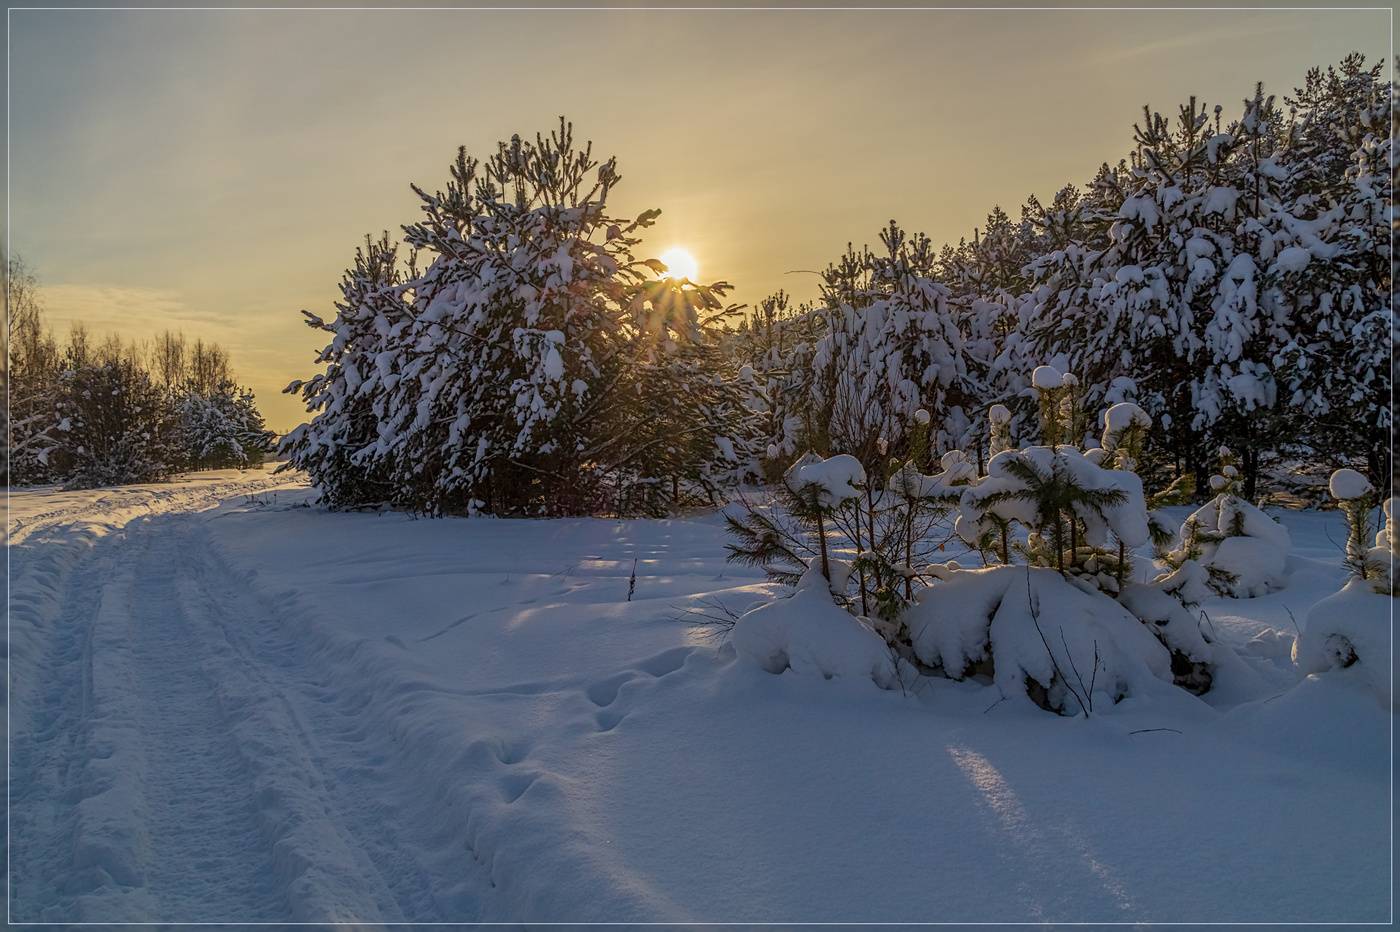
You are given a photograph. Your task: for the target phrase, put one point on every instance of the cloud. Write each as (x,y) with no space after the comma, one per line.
(137,313)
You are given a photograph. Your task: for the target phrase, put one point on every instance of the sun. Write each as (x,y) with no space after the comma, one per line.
(679,264)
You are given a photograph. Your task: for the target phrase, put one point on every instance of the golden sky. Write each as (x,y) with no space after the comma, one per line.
(213,170)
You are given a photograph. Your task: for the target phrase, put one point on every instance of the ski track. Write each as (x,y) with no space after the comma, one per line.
(197,771)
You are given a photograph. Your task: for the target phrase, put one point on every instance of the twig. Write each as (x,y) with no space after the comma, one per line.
(723,622)
(1075,667)
(632,584)
(993,705)
(1294,620)
(1211,623)
(1332,541)
(1035,619)
(1142,731)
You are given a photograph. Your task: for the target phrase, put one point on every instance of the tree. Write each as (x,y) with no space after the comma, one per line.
(222,429)
(30,377)
(513,374)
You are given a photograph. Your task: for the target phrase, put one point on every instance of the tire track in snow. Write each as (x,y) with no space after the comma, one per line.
(376,809)
(127,502)
(54,609)
(208,858)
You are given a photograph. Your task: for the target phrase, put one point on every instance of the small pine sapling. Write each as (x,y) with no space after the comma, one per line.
(999,417)
(1355,496)
(1125,432)
(1384,552)
(1049,387)
(811,489)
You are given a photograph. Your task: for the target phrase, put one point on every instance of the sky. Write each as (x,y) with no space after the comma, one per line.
(212,170)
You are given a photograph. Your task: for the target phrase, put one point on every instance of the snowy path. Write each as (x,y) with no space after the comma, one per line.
(180,761)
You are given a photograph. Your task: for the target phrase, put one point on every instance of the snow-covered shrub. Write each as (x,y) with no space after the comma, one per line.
(1049,384)
(1000,418)
(1244,550)
(1383,554)
(222,428)
(534,366)
(886,531)
(1036,635)
(1125,427)
(1350,632)
(115,427)
(808,632)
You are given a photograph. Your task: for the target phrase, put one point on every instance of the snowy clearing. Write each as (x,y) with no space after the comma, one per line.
(228,706)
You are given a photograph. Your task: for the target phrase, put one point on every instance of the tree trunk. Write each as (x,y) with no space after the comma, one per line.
(821,535)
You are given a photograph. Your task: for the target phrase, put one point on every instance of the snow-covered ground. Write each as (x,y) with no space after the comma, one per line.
(226,706)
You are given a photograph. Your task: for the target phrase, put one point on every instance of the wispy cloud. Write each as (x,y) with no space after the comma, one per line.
(130,312)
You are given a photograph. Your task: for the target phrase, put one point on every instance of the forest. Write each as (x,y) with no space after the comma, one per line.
(1231,277)
(89,412)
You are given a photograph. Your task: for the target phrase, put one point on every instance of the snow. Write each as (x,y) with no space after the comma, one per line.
(1348,484)
(1350,633)
(1255,547)
(1293,259)
(1121,416)
(837,477)
(227,706)
(1047,377)
(809,634)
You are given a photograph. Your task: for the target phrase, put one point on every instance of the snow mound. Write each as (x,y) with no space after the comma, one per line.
(1350,633)
(1200,663)
(1348,484)
(809,633)
(982,622)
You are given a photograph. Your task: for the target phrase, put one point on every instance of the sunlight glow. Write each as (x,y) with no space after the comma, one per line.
(679,264)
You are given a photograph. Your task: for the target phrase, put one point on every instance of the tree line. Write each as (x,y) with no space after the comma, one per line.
(1231,277)
(89,412)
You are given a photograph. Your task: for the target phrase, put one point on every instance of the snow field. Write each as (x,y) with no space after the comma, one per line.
(365,717)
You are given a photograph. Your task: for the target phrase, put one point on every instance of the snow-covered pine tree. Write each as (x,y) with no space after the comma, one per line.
(1333,266)
(513,373)
(222,429)
(891,344)
(336,447)
(117,426)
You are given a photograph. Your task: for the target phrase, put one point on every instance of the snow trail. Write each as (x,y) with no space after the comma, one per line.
(170,748)
(313,749)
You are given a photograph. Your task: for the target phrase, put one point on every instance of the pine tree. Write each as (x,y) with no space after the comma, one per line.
(514,373)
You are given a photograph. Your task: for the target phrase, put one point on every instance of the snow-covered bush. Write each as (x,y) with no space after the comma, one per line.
(1244,550)
(886,531)
(1387,547)
(1355,496)
(114,427)
(1350,632)
(222,428)
(1036,635)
